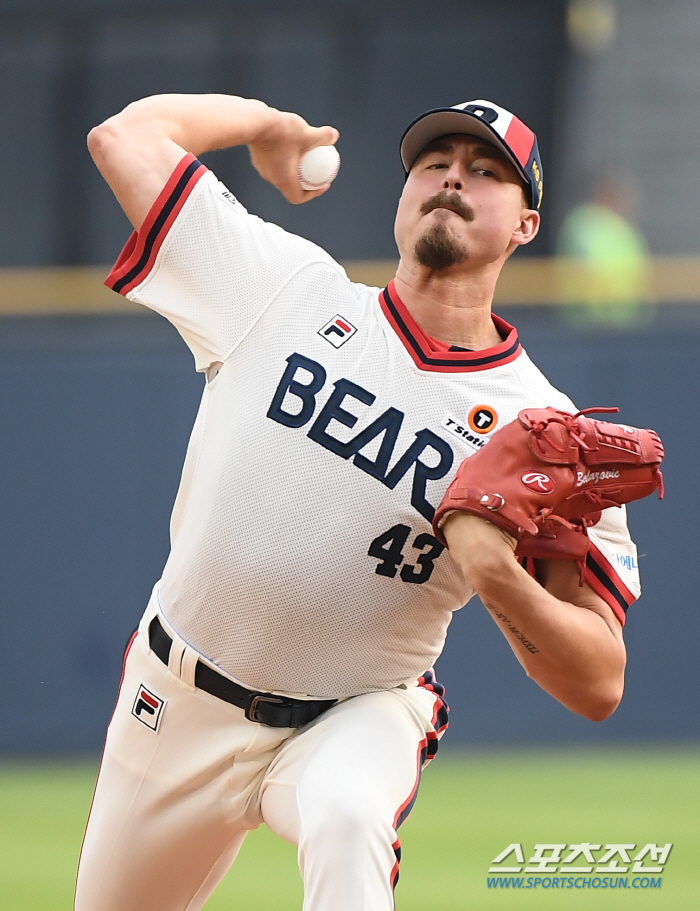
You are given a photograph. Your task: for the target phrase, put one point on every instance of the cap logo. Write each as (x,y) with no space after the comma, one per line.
(484,113)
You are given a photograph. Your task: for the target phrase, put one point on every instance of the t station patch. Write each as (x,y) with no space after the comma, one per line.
(460,429)
(479,423)
(148,708)
(482,418)
(337,331)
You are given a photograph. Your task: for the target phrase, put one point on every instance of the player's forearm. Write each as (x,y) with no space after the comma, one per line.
(137,150)
(195,123)
(568,650)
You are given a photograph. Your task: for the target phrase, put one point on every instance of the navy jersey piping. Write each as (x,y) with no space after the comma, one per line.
(157,225)
(440,362)
(605,580)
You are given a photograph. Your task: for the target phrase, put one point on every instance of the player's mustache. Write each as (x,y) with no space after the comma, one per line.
(447,200)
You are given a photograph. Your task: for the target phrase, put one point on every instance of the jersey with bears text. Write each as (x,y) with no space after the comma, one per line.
(303,559)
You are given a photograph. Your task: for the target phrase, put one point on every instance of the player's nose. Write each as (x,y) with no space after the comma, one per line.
(453,178)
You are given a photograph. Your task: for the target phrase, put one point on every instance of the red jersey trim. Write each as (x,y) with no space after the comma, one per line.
(394,878)
(604,581)
(427,354)
(441,711)
(404,810)
(139,254)
(528,564)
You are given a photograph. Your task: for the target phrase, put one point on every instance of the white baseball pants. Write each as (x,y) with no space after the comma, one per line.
(178,791)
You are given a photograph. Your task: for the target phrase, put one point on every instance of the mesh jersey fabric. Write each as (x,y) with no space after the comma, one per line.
(302,557)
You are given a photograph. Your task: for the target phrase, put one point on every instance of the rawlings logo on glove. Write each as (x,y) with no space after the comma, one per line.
(569,468)
(538,482)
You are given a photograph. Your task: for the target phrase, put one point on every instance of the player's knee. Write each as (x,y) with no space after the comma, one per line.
(346,819)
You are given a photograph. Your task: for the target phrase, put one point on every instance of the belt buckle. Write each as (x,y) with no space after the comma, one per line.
(251,709)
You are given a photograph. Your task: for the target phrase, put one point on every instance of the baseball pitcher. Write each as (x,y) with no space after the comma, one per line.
(282,671)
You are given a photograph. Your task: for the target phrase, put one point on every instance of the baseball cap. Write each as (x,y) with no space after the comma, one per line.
(489,121)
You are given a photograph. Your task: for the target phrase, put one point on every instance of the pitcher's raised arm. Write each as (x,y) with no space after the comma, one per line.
(137,150)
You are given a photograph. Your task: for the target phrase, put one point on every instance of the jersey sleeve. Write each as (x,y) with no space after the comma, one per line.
(206,264)
(611,565)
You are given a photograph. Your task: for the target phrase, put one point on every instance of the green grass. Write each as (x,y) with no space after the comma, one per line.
(471,806)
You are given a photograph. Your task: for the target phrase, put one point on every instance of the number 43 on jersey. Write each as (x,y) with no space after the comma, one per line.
(388,549)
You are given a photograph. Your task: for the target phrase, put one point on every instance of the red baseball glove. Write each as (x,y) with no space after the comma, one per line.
(545,477)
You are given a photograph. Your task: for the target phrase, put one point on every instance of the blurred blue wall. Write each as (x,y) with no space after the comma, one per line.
(95,415)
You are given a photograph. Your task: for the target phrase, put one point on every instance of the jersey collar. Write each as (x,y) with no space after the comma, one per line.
(429,354)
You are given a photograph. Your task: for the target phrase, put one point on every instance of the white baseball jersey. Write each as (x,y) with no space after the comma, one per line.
(303,560)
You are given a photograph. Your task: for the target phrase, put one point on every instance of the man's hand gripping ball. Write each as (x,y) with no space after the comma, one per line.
(545,477)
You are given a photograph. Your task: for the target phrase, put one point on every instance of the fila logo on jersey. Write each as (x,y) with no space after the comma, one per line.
(337,331)
(148,708)
(294,403)
(541,483)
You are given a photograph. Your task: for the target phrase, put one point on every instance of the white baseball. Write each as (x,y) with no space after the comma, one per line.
(318,167)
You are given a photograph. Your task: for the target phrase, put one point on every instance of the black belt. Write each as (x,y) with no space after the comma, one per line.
(274,711)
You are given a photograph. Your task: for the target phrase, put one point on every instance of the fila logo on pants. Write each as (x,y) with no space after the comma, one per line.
(148,708)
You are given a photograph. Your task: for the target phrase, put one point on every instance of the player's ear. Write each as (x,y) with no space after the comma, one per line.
(527,228)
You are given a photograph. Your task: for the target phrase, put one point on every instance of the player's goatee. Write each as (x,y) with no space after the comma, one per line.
(438,249)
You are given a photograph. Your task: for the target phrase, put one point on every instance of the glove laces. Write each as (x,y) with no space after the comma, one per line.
(658,476)
(570,422)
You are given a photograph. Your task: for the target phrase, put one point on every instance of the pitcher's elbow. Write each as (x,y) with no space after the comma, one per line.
(601,704)
(101,139)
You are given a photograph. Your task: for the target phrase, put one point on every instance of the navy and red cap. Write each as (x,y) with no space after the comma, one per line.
(488,121)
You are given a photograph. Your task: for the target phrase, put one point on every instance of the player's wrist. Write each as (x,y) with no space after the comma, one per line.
(279,130)
(265,122)
(483,550)
(476,533)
